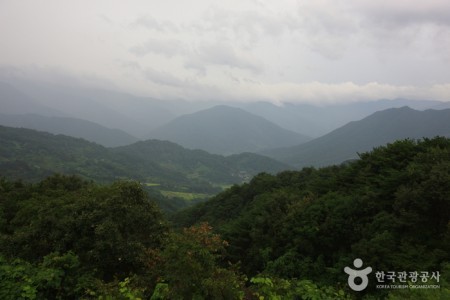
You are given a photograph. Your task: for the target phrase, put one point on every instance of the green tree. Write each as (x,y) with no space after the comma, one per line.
(191,266)
(56,277)
(107,227)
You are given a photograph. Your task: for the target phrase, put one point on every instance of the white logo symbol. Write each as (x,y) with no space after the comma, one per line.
(353,274)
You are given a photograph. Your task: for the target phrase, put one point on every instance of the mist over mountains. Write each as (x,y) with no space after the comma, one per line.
(140,116)
(15,101)
(87,130)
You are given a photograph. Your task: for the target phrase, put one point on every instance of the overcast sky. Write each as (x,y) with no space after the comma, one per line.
(284,51)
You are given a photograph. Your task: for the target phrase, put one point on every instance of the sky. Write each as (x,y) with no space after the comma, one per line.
(316,51)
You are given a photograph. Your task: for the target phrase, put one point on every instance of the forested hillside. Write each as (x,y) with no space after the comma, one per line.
(391,208)
(164,167)
(287,236)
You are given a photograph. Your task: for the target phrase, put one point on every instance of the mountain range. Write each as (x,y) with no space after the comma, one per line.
(355,137)
(139,116)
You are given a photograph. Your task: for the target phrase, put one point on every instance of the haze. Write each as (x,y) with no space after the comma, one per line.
(319,52)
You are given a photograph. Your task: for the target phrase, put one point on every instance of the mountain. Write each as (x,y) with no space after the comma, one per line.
(162,166)
(358,136)
(72,127)
(226,130)
(316,121)
(14,101)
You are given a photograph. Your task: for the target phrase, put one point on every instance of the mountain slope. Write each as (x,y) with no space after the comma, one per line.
(378,129)
(226,130)
(199,164)
(32,155)
(87,130)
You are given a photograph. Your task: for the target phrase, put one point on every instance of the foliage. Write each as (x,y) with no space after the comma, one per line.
(292,234)
(278,289)
(107,227)
(391,208)
(190,263)
(126,289)
(56,277)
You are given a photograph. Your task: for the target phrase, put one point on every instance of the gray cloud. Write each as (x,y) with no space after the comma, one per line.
(162,78)
(166,47)
(321,50)
(405,13)
(151,23)
(222,54)
(245,26)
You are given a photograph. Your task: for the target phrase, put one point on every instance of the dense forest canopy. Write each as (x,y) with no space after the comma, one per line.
(285,236)
(391,207)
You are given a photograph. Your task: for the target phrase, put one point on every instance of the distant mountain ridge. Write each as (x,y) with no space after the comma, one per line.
(139,115)
(78,128)
(316,120)
(226,130)
(15,101)
(375,130)
(108,108)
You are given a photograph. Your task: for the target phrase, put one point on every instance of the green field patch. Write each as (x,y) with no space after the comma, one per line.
(224,186)
(184,195)
(152,184)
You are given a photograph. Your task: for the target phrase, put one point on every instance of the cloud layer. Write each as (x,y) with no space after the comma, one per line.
(317,51)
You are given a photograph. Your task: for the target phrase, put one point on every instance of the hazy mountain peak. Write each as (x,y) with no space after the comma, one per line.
(226,130)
